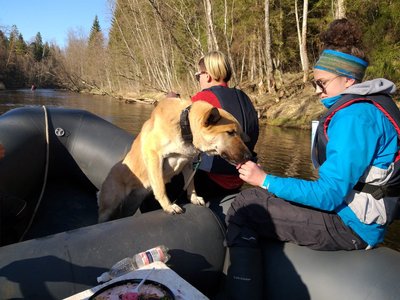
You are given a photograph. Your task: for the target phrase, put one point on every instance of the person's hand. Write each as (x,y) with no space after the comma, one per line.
(2,151)
(251,173)
(172,95)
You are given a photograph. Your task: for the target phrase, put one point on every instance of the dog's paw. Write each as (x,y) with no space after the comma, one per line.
(103,217)
(197,200)
(173,209)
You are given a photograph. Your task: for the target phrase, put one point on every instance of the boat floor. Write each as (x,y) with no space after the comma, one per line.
(65,206)
(68,205)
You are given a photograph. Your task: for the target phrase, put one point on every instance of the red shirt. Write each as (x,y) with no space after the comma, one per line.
(229,182)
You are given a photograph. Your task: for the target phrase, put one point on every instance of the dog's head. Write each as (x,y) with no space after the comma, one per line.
(217,132)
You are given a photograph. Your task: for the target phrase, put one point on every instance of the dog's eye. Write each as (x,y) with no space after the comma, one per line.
(232,132)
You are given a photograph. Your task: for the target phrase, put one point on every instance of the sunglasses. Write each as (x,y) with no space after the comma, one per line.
(323,84)
(197,75)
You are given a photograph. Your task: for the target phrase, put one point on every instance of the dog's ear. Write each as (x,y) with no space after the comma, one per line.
(212,117)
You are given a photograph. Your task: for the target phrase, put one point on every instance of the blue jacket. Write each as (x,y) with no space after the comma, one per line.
(360,136)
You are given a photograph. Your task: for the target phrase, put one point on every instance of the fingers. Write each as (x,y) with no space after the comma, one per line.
(248,165)
(251,173)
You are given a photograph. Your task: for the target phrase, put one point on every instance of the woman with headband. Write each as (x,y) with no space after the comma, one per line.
(356,150)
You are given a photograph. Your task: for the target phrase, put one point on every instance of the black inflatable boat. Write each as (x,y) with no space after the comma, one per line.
(55,161)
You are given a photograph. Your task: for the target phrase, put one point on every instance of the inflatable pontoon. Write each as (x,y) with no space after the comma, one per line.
(52,248)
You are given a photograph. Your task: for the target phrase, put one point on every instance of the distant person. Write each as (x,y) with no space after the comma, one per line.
(215,176)
(2,151)
(33,87)
(356,149)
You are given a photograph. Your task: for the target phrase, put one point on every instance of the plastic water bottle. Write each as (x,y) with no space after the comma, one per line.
(129,264)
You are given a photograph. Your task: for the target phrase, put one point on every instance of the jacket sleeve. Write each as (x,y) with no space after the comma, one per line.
(355,134)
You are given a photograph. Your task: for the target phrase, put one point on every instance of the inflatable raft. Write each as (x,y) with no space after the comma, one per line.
(55,161)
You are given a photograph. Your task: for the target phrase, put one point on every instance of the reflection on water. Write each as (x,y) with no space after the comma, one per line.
(285,152)
(127,116)
(282,152)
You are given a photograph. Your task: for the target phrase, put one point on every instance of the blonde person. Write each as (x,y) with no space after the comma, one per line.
(356,150)
(216,177)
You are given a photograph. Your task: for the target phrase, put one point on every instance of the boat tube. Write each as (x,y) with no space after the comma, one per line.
(59,157)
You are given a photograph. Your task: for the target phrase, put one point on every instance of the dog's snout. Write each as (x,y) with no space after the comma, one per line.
(247,156)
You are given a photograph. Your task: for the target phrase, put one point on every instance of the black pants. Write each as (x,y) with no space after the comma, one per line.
(257,213)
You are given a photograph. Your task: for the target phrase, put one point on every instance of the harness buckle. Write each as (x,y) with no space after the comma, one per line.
(379,193)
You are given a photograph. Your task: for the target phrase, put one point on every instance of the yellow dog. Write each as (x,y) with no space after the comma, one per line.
(175,134)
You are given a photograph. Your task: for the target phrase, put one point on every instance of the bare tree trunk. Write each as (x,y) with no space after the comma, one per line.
(278,80)
(268,56)
(252,60)
(211,38)
(242,66)
(228,40)
(302,36)
(339,9)
(260,57)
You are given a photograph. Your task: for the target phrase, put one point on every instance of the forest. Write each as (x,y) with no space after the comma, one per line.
(154,46)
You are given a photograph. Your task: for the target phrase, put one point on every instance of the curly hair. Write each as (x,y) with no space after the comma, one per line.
(344,36)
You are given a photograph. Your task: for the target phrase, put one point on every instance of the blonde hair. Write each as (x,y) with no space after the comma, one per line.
(216,64)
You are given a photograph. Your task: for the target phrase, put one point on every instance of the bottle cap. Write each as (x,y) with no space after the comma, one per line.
(104,277)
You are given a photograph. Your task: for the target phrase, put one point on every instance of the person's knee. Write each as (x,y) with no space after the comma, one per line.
(245,205)
(241,236)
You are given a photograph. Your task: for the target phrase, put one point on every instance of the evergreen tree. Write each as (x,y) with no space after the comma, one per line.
(37,47)
(3,54)
(20,45)
(95,31)
(3,42)
(14,34)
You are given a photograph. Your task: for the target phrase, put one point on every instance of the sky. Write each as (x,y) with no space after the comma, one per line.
(54,18)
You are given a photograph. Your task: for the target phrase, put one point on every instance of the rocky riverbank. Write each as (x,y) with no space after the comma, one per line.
(293,105)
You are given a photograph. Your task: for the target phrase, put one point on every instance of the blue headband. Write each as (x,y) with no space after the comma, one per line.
(342,64)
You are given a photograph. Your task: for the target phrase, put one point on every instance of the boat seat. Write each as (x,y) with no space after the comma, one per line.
(296,272)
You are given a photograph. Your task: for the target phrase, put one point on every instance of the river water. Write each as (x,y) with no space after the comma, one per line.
(282,152)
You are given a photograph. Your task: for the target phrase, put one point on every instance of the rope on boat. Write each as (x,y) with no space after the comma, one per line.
(46,170)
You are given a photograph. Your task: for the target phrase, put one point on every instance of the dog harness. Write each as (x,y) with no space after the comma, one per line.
(184,123)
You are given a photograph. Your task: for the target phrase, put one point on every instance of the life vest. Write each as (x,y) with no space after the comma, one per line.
(237,103)
(376,184)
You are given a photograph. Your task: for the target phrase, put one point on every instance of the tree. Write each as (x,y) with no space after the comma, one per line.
(14,34)
(72,70)
(37,47)
(95,31)
(3,54)
(211,37)
(20,45)
(268,56)
(229,37)
(302,36)
(339,9)
(95,60)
